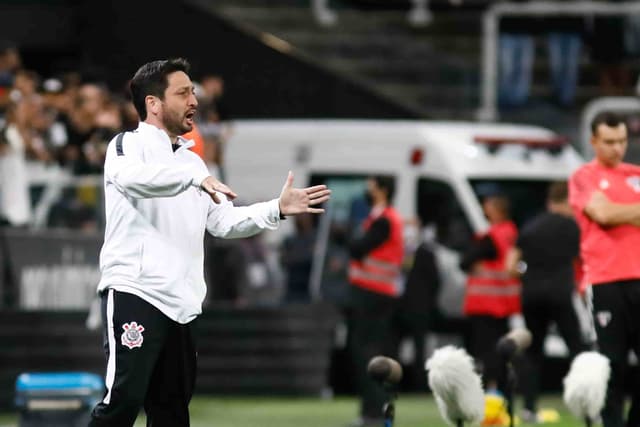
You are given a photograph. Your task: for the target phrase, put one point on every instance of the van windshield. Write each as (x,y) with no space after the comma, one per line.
(335,229)
(438,206)
(527,197)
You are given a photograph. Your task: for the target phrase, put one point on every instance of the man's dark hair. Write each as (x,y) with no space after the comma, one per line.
(608,118)
(387,183)
(558,192)
(151,79)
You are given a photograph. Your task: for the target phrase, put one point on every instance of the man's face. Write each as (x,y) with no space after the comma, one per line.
(493,208)
(91,99)
(610,143)
(488,207)
(375,192)
(179,104)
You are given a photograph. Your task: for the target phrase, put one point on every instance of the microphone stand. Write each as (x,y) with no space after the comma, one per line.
(510,389)
(389,409)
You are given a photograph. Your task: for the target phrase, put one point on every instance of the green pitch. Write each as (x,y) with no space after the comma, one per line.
(411,411)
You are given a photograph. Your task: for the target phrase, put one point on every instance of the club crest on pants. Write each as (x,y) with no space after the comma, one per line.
(132,335)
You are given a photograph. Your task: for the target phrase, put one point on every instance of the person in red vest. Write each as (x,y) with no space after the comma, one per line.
(605,197)
(374,275)
(492,294)
(195,135)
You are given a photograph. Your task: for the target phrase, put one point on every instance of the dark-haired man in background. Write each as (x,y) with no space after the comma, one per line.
(375,275)
(159,199)
(605,197)
(544,258)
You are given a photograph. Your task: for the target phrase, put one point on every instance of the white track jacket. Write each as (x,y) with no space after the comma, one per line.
(156,215)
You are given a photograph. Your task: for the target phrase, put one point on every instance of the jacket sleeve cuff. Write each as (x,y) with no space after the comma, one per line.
(198,177)
(273,207)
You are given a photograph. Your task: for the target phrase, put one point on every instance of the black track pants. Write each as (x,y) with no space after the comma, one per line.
(616,315)
(151,363)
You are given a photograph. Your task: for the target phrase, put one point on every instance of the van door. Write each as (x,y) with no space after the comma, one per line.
(340,223)
(449,232)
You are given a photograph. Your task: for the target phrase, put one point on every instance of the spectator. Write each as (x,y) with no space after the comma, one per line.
(420,15)
(323,14)
(93,121)
(564,42)
(18,141)
(58,101)
(515,56)
(213,99)
(608,53)
(10,62)
(297,258)
(492,295)
(26,82)
(213,123)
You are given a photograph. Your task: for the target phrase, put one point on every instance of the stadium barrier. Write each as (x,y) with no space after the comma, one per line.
(48,269)
(258,351)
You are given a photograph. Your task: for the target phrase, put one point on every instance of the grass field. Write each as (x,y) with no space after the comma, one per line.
(411,411)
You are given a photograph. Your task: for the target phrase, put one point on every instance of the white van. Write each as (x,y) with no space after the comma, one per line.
(441,169)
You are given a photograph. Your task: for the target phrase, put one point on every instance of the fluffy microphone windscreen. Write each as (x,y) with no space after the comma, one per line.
(585,386)
(456,386)
(384,369)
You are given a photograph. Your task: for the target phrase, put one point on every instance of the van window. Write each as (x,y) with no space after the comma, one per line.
(345,213)
(437,204)
(347,197)
(527,197)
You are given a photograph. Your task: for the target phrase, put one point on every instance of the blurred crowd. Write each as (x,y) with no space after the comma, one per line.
(608,42)
(64,122)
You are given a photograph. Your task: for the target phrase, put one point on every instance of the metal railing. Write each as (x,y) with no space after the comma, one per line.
(52,181)
(488,89)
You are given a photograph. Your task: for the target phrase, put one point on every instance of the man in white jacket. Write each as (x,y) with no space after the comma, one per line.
(159,199)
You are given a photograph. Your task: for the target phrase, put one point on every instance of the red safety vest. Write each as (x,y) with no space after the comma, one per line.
(380,270)
(491,290)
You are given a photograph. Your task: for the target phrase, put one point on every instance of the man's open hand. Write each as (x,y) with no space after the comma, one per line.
(212,186)
(300,200)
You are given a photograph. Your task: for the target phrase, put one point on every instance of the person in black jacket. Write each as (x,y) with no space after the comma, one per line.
(417,308)
(544,257)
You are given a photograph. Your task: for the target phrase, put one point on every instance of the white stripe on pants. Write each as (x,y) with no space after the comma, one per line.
(111,363)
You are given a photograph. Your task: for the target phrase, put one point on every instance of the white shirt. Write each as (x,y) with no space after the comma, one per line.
(15,202)
(156,214)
